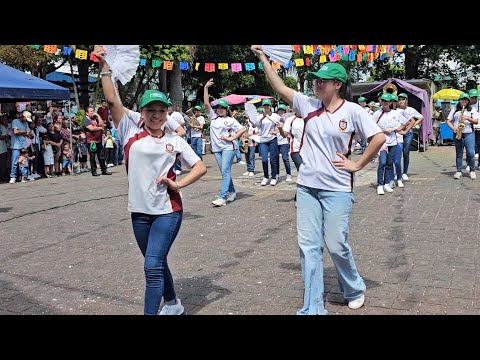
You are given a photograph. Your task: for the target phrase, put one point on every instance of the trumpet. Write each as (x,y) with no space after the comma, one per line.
(461,125)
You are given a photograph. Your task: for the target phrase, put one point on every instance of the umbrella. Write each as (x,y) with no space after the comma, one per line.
(253,99)
(232,99)
(447,94)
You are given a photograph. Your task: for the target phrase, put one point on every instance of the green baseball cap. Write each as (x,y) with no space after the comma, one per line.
(361,99)
(329,71)
(266,102)
(198,107)
(153,95)
(473,92)
(222,103)
(386,97)
(260,110)
(464,96)
(379,94)
(394,97)
(403,95)
(282,107)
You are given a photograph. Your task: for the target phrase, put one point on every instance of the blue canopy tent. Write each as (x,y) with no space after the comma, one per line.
(57,76)
(15,85)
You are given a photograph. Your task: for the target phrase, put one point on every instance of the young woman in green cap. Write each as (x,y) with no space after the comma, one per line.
(326,178)
(154,198)
(223,144)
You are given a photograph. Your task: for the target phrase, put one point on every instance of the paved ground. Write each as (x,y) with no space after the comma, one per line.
(66,246)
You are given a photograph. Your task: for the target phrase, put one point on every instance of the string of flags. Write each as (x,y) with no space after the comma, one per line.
(325,53)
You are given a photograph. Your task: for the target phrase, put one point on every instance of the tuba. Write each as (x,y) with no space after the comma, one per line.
(461,125)
(193,122)
(390,89)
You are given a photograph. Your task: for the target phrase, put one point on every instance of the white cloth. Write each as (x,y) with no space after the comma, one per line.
(197,133)
(147,157)
(325,135)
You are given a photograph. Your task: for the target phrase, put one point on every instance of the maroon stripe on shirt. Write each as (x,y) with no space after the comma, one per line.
(129,144)
(175,198)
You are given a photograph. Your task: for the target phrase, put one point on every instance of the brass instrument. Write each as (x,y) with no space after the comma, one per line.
(461,125)
(193,122)
(390,89)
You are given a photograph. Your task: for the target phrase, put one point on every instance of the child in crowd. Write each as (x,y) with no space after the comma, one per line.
(23,163)
(109,144)
(82,153)
(48,158)
(67,155)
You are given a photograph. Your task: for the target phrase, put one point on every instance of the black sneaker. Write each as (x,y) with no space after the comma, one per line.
(95,173)
(106,172)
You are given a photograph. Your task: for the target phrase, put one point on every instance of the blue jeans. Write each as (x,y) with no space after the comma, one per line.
(385,165)
(178,164)
(407,141)
(250,159)
(264,148)
(297,159)
(15,156)
(224,161)
(467,140)
(119,154)
(196,144)
(324,216)
(155,235)
(284,149)
(397,164)
(24,171)
(363,143)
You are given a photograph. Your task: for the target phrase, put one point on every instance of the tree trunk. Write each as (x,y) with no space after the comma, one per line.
(163,80)
(176,93)
(83,84)
(412,61)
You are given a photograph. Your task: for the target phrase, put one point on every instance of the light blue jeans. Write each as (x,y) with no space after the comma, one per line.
(196,144)
(467,140)
(397,164)
(407,142)
(224,160)
(324,216)
(14,166)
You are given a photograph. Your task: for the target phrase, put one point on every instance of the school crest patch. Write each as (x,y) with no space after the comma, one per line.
(169,148)
(342,125)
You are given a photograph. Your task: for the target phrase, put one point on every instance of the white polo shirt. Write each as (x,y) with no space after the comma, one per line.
(147,157)
(294,126)
(197,133)
(266,124)
(222,126)
(325,134)
(411,112)
(454,117)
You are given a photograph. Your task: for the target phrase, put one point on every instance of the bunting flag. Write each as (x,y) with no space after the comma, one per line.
(306,56)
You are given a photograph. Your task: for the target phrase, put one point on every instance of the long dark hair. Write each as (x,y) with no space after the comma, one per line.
(459,107)
(346,91)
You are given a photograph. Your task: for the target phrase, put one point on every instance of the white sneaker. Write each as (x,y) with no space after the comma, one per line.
(457,175)
(241,163)
(476,156)
(388,188)
(289,178)
(392,184)
(264,181)
(110,165)
(357,303)
(30,177)
(12,181)
(467,169)
(473,176)
(251,174)
(400,184)
(219,202)
(35,175)
(380,190)
(176,309)
(246,174)
(231,197)
(178,172)
(405,177)
(273,182)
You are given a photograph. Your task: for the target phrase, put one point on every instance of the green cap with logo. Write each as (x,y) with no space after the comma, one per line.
(266,102)
(386,97)
(329,71)
(403,95)
(222,103)
(282,107)
(464,96)
(473,92)
(260,110)
(198,107)
(153,95)
(394,97)
(361,99)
